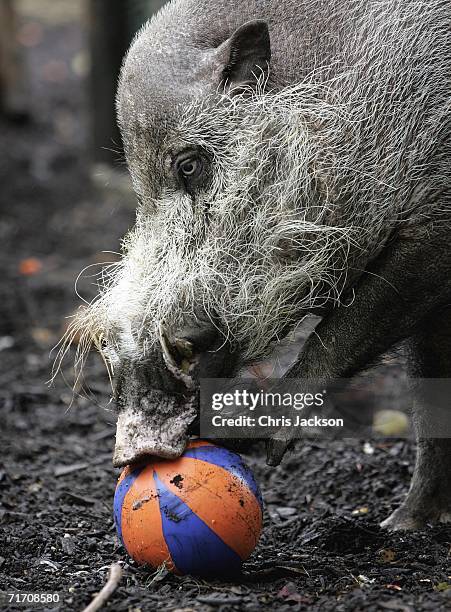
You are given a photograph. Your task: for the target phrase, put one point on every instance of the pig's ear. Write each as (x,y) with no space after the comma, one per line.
(244,57)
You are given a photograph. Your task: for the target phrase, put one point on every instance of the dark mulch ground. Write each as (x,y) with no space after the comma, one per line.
(321,547)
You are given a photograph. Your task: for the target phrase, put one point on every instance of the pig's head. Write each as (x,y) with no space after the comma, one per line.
(236,237)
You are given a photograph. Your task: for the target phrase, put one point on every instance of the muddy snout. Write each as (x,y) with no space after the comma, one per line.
(156,426)
(158,402)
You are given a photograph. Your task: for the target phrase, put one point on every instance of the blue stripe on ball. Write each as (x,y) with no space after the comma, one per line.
(194,547)
(121,491)
(230,462)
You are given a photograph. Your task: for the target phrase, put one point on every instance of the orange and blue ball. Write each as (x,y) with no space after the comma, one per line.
(200,514)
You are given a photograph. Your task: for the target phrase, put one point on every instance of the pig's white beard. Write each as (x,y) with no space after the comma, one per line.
(254,253)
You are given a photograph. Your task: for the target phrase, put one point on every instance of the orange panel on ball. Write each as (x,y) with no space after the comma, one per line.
(221,500)
(141,522)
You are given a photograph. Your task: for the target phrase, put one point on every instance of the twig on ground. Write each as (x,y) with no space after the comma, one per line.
(114,577)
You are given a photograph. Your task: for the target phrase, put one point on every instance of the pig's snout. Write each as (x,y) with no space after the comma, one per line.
(154,412)
(158,401)
(139,436)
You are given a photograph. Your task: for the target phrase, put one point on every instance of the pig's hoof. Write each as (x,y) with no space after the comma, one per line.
(401,520)
(406,519)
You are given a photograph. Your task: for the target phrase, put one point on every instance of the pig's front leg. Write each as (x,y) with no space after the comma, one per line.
(408,284)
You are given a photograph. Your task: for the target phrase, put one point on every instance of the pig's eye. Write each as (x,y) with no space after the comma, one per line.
(192,169)
(189,166)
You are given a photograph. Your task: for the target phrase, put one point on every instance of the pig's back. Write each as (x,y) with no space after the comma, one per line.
(316,34)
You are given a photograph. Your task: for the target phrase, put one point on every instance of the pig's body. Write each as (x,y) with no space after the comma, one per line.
(323,185)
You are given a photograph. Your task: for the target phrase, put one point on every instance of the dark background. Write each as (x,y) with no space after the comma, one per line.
(65,201)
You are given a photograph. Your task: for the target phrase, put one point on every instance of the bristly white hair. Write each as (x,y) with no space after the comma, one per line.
(254,252)
(308,185)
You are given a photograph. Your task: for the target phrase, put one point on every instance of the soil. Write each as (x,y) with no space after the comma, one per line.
(321,547)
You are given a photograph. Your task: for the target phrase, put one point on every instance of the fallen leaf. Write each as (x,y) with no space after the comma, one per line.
(442,586)
(387,555)
(393,587)
(390,422)
(289,592)
(30,266)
